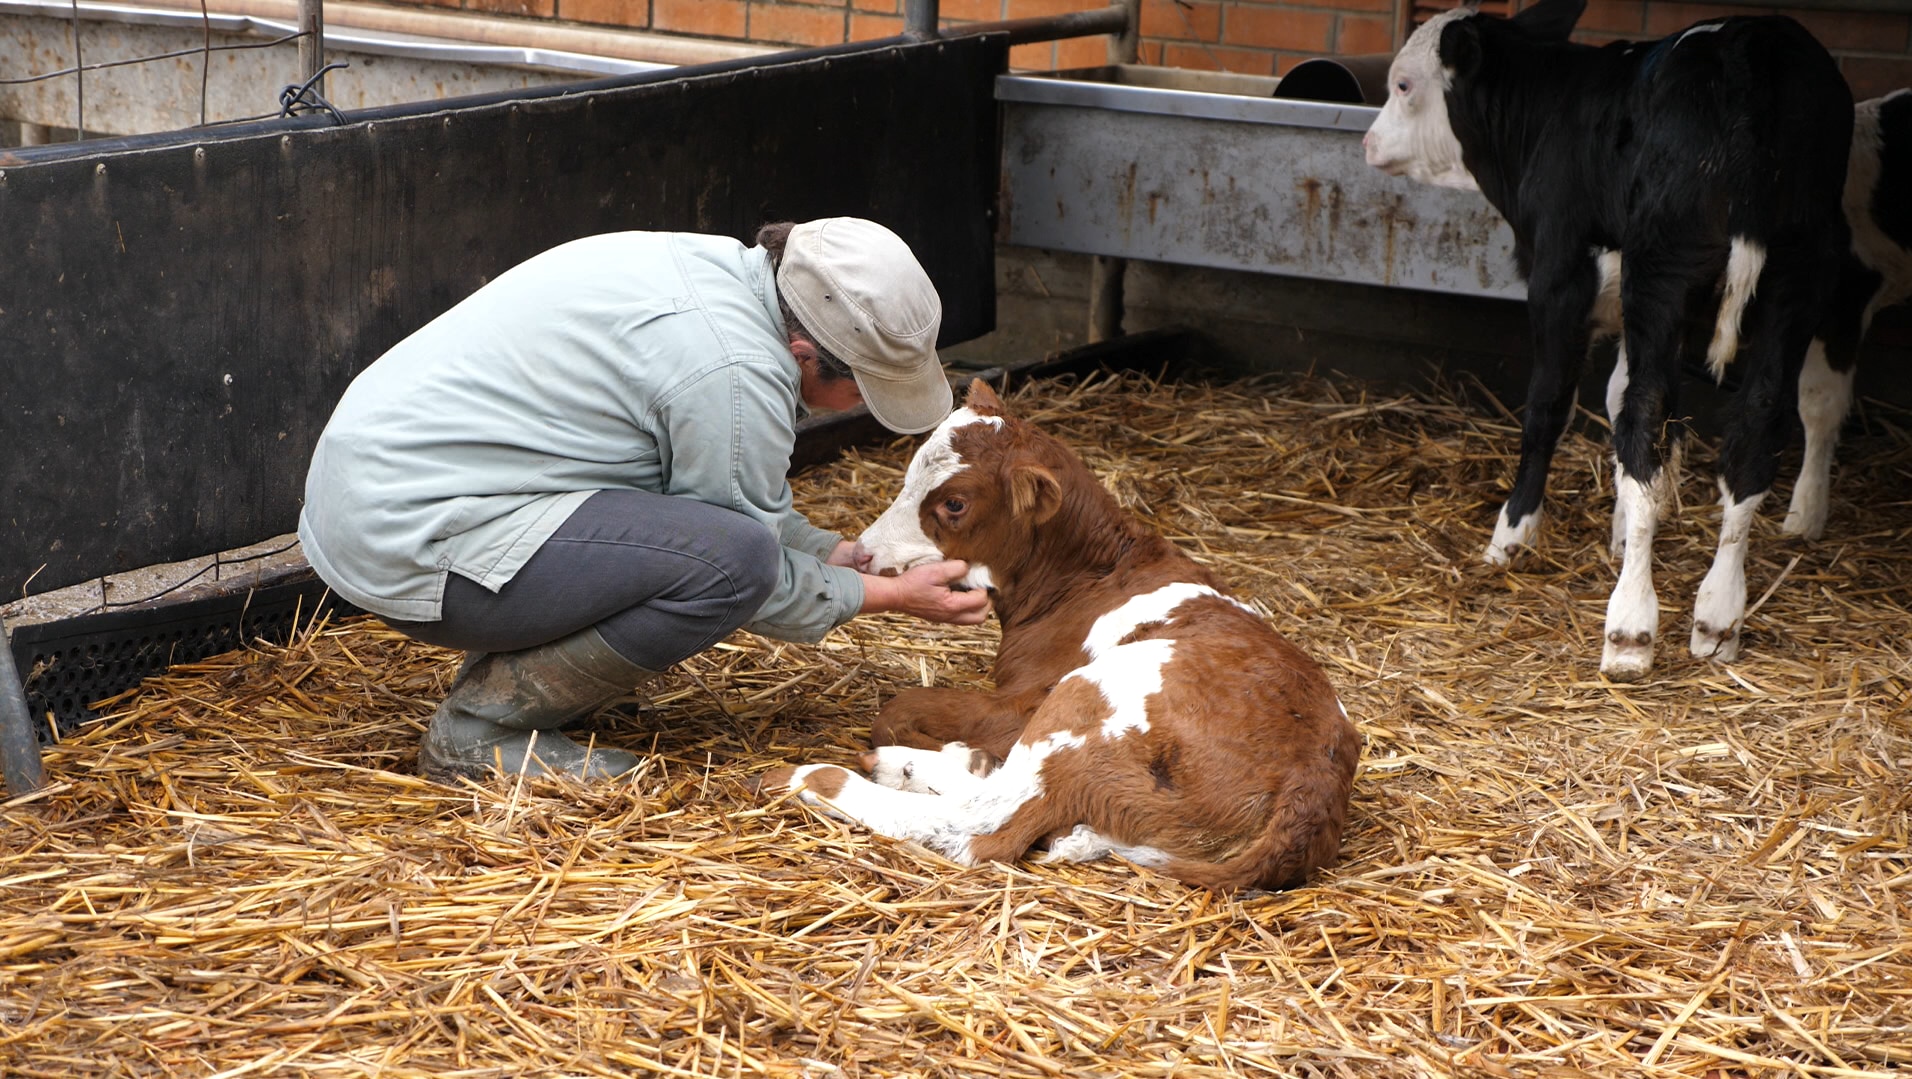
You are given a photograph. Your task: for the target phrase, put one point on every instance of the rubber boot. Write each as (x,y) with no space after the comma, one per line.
(505,708)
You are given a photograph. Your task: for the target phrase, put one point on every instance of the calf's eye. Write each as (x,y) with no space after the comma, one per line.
(954,506)
(1401,86)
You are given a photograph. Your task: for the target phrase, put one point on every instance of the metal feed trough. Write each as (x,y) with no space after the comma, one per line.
(1215,170)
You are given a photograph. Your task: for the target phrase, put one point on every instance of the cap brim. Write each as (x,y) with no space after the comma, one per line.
(909,407)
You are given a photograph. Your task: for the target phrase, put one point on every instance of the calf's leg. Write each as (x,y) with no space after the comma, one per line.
(955,770)
(1782,319)
(1825,395)
(930,718)
(1646,443)
(1825,391)
(1616,395)
(996,819)
(1560,305)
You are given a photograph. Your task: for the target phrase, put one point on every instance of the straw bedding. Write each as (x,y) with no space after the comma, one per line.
(237,873)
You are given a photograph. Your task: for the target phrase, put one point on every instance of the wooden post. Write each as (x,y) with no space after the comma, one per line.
(312,42)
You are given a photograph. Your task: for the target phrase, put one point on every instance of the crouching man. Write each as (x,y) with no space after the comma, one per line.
(577,475)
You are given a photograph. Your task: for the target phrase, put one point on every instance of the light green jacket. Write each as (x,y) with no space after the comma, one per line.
(652,361)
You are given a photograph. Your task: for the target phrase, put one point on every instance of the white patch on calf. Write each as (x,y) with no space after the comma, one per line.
(1606,315)
(895,540)
(1824,397)
(1412,136)
(1084,844)
(1617,384)
(1139,611)
(942,823)
(1616,399)
(1703,28)
(979,577)
(1743,263)
(1721,607)
(1127,676)
(926,771)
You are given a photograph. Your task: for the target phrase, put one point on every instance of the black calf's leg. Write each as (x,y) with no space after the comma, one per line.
(1781,321)
(1558,307)
(1825,392)
(1646,443)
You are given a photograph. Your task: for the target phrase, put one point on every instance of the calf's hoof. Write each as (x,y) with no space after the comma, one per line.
(1628,655)
(1501,556)
(809,781)
(943,771)
(1805,524)
(775,781)
(1721,645)
(1511,538)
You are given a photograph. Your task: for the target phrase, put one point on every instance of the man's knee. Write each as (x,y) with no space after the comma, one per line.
(755,562)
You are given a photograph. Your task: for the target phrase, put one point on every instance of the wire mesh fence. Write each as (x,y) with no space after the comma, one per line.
(216,38)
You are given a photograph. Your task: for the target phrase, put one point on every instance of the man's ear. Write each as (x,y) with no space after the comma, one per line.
(1460,49)
(1550,20)
(1034,493)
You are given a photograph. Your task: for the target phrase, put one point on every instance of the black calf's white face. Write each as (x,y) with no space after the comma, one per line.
(1412,137)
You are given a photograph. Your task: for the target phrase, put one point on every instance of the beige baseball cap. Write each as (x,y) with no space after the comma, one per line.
(860,292)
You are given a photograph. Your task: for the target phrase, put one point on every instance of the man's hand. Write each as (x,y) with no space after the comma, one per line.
(925,593)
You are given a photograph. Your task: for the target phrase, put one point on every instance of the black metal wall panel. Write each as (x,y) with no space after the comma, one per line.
(179,313)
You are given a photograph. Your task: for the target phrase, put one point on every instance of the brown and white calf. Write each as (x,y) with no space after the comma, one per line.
(1139,709)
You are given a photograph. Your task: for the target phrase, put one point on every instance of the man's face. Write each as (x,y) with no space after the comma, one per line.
(824,394)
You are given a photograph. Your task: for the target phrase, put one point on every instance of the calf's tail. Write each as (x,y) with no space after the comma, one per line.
(1302,833)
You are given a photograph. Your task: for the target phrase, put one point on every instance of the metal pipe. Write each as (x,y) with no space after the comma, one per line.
(1107,273)
(1018,31)
(312,42)
(19,745)
(921,18)
(460,27)
(1110,20)
(1125,47)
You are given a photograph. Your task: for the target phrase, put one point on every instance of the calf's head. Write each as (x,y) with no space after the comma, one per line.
(976,490)
(1414,135)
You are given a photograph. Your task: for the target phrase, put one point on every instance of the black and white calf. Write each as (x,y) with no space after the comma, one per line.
(1698,173)
(1877,273)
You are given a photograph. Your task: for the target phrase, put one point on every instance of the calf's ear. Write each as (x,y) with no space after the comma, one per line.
(1550,20)
(1460,49)
(982,400)
(1034,493)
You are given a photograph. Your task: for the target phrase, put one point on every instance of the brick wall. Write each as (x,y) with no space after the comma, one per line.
(1252,36)
(1874,48)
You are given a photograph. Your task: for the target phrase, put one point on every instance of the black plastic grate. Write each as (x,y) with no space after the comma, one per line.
(69,665)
